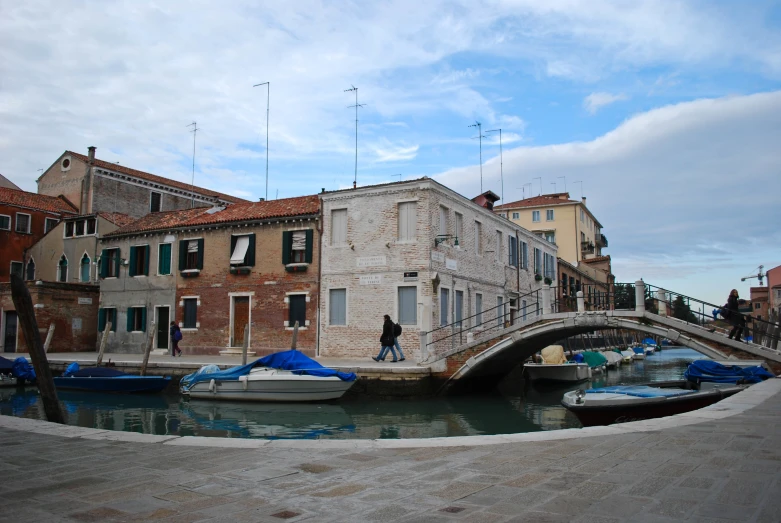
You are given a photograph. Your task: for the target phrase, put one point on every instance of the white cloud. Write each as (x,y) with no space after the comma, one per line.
(595,101)
(388,152)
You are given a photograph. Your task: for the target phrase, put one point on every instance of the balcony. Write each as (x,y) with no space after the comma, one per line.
(601,240)
(587,247)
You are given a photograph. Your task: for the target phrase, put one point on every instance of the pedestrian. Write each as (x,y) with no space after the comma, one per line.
(733,316)
(386,341)
(396,334)
(176,336)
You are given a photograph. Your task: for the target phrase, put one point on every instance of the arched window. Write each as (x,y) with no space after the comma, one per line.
(62,272)
(29,275)
(85,261)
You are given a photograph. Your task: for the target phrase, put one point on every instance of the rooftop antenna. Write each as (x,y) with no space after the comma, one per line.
(192,183)
(357,105)
(540,179)
(268,99)
(565,182)
(581,188)
(399,175)
(501,162)
(555,187)
(480,137)
(523,188)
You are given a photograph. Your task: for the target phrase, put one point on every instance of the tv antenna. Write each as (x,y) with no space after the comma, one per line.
(480,137)
(268,100)
(357,105)
(565,182)
(581,188)
(540,179)
(501,162)
(759,275)
(523,188)
(192,183)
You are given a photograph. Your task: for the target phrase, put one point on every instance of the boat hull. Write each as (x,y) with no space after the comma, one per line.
(122,384)
(272,388)
(565,372)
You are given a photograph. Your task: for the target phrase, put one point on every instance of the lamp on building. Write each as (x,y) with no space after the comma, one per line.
(441,238)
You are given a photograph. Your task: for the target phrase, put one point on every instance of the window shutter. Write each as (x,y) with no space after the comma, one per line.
(249,259)
(233,246)
(200,253)
(143,319)
(146,260)
(117,262)
(287,241)
(309,240)
(101,320)
(130,320)
(182,254)
(104,263)
(133,257)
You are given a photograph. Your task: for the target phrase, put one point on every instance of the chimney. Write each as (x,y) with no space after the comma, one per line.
(354,185)
(91,153)
(261,199)
(584,199)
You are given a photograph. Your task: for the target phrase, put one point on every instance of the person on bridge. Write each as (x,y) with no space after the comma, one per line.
(386,341)
(734,317)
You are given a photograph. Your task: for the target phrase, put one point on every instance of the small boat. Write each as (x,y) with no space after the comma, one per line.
(596,361)
(649,345)
(554,367)
(639,352)
(613,359)
(627,355)
(104,379)
(282,376)
(624,403)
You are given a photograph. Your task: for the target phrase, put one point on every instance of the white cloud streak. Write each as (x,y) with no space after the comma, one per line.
(595,101)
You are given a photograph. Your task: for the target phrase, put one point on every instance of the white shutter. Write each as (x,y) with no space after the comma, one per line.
(408,220)
(339,227)
(299,241)
(240,250)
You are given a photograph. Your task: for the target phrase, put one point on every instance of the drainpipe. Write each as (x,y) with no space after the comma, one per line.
(319,273)
(518,265)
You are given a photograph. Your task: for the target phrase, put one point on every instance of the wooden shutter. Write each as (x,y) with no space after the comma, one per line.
(182,254)
(287,242)
(143,319)
(146,260)
(104,263)
(249,258)
(130,319)
(200,254)
(309,241)
(117,257)
(233,247)
(101,320)
(133,259)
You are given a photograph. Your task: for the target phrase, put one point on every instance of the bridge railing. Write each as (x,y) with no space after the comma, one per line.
(602,297)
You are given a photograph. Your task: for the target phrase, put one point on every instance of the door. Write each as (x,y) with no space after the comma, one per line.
(163,321)
(240,319)
(9,336)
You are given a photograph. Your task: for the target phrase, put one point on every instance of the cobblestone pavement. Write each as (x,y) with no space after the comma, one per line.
(722,463)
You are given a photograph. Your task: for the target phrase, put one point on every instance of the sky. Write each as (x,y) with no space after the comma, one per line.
(665,115)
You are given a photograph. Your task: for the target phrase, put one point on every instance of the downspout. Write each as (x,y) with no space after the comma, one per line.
(577,237)
(319,273)
(518,264)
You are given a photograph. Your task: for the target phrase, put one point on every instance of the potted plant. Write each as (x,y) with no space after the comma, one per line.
(548,281)
(538,277)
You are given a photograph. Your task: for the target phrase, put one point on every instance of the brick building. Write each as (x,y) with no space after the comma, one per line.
(24,218)
(592,276)
(95,185)
(214,272)
(426,256)
(71,308)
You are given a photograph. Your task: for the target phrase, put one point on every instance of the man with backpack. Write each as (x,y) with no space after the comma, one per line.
(388,340)
(396,334)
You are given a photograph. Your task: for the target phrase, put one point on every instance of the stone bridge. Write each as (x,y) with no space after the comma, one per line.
(481,364)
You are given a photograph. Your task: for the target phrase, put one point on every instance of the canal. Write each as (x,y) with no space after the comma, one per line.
(517,406)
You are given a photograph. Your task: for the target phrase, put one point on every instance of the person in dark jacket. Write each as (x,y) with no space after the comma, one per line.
(175,350)
(386,341)
(735,317)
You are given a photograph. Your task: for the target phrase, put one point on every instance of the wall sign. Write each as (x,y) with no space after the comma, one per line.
(410,276)
(372,261)
(371,279)
(76,324)
(85,301)
(451,264)
(438,256)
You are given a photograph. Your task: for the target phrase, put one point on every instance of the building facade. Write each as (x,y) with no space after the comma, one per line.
(774,289)
(591,276)
(424,255)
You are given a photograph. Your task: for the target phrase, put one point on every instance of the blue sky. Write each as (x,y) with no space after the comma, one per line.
(669,113)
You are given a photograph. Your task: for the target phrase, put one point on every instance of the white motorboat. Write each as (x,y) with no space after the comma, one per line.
(613,359)
(627,356)
(555,367)
(639,352)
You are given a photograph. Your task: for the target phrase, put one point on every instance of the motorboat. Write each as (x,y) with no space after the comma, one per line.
(282,376)
(613,359)
(627,355)
(649,345)
(7,378)
(105,379)
(705,382)
(554,367)
(596,361)
(639,352)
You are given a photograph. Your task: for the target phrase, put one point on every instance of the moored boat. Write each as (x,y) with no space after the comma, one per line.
(104,379)
(627,355)
(639,352)
(613,359)
(554,367)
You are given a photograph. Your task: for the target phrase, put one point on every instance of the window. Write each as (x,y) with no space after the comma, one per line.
(62,269)
(757,306)
(479,309)
(85,269)
(91,225)
(139,260)
(109,263)
(154,202)
(136,319)
(498,247)
(22,223)
(444,302)
(549,215)
(564,285)
(30,275)
(339,227)
(459,313)
(17,268)
(513,247)
(191,255)
(442,220)
(164,259)
(68,229)
(49,224)
(549,266)
(499,311)
(550,236)
(297,310)
(105,316)
(524,255)
(243,250)
(516,215)
(582,216)
(337,307)
(460,227)
(5,222)
(582,237)
(408,305)
(535,216)
(80,228)
(537,261)
(190,313)
(297,247)
(478,238)
(408,219)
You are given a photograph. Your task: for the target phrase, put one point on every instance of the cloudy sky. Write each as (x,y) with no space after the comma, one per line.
(666,115)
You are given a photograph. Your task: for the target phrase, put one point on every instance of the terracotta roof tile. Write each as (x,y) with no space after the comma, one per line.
(117,218)
(39,202)
(534,201)
(159,221)
(157,179)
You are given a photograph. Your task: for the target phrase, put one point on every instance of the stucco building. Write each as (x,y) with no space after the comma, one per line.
(774,289)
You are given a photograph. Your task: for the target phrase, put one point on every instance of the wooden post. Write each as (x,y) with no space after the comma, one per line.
(295,337)
(103,343)
(49,336)
(26,316)
(245,346)
(148,348)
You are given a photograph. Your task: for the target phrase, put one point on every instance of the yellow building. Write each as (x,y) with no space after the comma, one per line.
(567,223)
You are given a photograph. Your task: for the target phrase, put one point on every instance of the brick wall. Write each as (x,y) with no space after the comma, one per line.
(12,243)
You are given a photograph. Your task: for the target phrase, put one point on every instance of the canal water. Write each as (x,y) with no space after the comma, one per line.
(519,407)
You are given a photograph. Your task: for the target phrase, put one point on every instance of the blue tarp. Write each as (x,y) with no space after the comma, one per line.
(649,341)
(638,350)
(91,372)
(706,370)
(291,360)
(22,369)
(641,391)
(577,358)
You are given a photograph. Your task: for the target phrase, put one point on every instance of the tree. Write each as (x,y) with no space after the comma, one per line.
(682,311)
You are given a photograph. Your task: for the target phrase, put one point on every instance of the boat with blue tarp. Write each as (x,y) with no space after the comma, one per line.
(105,379)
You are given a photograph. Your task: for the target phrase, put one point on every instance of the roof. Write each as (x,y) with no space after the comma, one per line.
(31,200)
(117,218)
(157,179)
(240,212)
(387,184)
(542,200)
(5,182)
(596,259)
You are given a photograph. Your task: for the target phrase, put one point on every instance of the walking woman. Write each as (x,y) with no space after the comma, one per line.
(735,317)
(176,336)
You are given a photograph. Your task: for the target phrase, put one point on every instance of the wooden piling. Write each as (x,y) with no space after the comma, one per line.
(295,337)
(150,341)
(26,315)
(245,346)
(103,343)
(49,336)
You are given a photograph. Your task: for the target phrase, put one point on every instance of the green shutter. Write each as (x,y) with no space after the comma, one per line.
(200,253)
(104,263)
(287,243)
(249,259)
(164,259)
(146,260)
(309,240)
(101,320)
(143,319)
(116,320)
(182,254)
(133,257)
(233,246)
(130,319)
(117,258)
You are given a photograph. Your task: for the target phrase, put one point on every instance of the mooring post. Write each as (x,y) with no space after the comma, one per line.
(295,337)
(26,316)
(661,297)
(103,343)
(49,336)
(581,302)
(149,342)
(640,296)
(245,346)
(546,299)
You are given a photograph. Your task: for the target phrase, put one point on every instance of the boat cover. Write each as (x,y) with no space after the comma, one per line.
(640,391)
(23,369)
(91,372)
(291,360)
(553,355)
(706,370)
(649,341)
(637,350)
(593,359)
(6,365)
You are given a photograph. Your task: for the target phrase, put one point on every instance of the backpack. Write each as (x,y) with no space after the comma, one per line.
(725,312)
(178,335)
(396,330)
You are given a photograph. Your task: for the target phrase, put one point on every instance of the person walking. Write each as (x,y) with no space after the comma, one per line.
(396,334)
(176,336)
(386,341)
(734,317)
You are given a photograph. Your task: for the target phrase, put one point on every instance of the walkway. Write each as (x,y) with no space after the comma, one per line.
(719,463)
